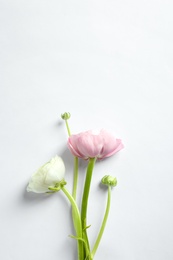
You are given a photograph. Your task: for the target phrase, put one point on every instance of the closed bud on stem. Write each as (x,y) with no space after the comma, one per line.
(109,181)
(65,116)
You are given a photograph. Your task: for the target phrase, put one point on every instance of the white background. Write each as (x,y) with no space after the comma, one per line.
(109,63)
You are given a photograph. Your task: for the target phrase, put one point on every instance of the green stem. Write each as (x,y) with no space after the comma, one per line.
(103,223)
(75,181)
(75,171)
(75,178)
(84,206)
(76,221)
(68,128)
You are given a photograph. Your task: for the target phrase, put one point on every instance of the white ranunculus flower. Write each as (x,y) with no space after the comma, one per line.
(48,175)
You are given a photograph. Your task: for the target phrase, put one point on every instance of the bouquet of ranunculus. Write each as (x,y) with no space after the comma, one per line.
(90,146)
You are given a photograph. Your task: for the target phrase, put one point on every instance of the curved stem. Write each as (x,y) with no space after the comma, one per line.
(103,223)
(76,221)
(84,206)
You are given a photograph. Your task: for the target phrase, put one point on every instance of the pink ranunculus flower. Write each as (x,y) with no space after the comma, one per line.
(93,144)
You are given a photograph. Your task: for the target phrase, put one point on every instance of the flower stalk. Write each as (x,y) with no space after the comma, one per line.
(75,177)
(103,224)
(76,221)
(85,197)
(65,117)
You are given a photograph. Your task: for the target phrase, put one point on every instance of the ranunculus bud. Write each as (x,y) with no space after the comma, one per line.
(49,175)
(93,144)
(109,180)
(65,116)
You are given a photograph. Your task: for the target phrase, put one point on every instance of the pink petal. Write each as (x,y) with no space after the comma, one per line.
(89,145)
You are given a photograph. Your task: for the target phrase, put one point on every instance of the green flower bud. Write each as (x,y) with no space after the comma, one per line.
(65,116)
(109,180)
